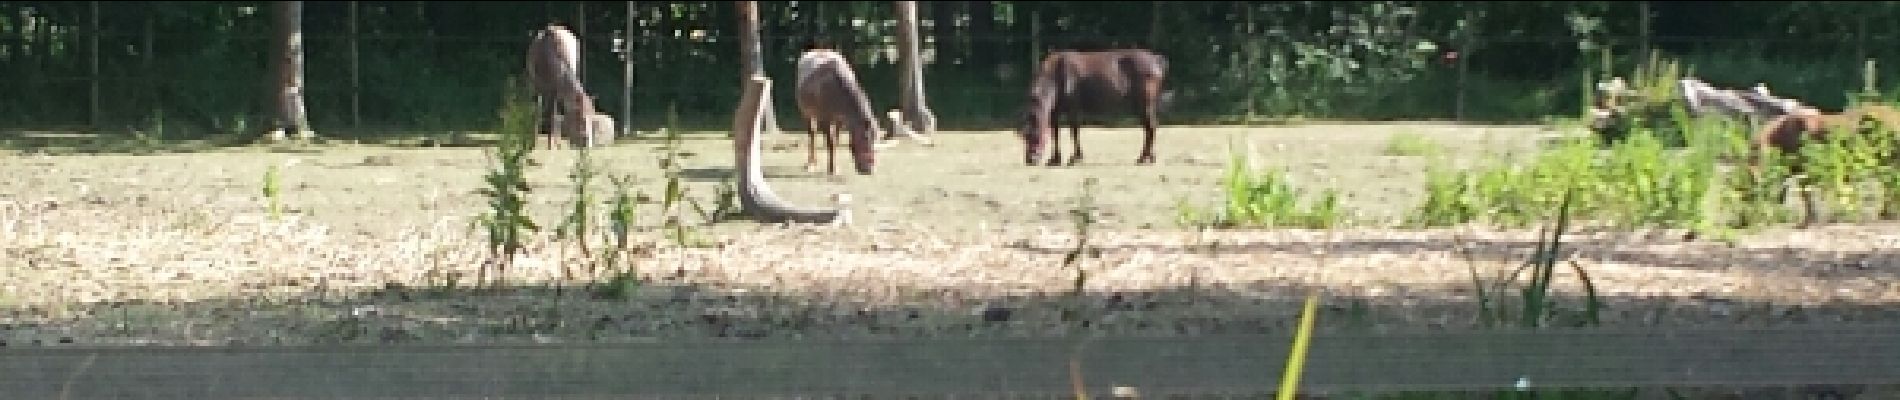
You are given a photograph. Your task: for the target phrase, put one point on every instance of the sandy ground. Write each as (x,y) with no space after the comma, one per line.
(957,239)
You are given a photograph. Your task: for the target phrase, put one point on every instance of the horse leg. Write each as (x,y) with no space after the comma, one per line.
(811,145)
(1055,137)
(1075,138)
(831,149)
(542,120)
(1149,104)
(1809,206)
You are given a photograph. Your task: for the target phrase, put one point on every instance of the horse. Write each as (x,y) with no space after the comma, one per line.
(830,97)
(1786,134)
(1072,84)
(554,78)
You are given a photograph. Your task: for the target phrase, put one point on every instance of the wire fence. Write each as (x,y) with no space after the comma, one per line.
(455,81)
(1576,358)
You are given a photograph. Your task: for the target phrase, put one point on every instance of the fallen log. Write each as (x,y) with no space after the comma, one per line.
(755,197)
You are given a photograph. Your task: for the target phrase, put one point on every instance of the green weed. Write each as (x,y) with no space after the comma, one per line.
(507,222)
(271,189)
(1085,218)
(1264,198)
(622,217)
(1412,144)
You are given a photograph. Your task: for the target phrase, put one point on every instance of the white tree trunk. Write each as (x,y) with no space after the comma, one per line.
(917,115)
(289,78)
(751,57)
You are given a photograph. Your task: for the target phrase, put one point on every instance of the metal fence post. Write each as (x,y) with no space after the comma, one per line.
(626,71)
(92,100)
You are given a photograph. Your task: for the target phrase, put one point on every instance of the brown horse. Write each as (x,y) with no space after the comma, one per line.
(1785,135)
(830,97)
(1069,85)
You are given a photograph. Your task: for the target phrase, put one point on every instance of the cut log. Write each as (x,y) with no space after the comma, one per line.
(755,197)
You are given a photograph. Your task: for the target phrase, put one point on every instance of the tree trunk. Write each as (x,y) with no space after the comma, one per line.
(289,78)
(750,57)
(755,197)
(917,112)
(750,46)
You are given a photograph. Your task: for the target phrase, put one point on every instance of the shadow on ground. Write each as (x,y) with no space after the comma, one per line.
(1788,260)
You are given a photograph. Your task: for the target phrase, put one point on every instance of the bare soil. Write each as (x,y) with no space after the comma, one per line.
(956,239)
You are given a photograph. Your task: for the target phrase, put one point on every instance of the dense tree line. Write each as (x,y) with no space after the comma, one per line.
(204,66)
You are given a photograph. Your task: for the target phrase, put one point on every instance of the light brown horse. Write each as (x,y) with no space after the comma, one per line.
(830,98)
(1785,135)
(554,77)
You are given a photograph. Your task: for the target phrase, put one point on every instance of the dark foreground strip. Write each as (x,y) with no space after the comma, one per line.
(1607,358)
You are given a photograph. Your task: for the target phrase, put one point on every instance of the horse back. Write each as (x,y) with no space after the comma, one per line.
(828,90)
(1100,81)
(553,56)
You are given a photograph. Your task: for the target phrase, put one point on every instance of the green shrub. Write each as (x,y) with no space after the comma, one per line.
(1264,198)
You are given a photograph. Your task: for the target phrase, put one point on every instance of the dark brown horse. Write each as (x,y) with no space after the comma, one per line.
(1069,85)
(830,98)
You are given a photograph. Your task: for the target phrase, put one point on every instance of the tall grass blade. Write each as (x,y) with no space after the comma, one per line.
(1296,358)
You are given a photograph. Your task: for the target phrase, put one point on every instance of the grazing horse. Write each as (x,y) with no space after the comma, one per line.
(554,77)
(829,97)
(1073,84)
(1786,134)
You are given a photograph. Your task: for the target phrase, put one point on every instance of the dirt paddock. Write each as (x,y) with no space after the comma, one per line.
(958,239)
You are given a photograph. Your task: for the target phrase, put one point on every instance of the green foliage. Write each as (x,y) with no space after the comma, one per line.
(1264,198)
(622,217)
(1652,103)
(1636,182)
(1853,171)
(1412,144)
(430,65)
(578,225)
(507,222)
(271,189)
(1085,218)
(675,201)
(1535,306)
(1669,170)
